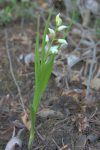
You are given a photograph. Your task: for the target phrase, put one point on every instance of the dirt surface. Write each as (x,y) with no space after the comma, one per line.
(66,120)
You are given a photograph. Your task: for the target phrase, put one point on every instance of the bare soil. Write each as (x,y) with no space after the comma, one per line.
(75,125)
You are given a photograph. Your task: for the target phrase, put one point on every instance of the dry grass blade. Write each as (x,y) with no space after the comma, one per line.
(12,72)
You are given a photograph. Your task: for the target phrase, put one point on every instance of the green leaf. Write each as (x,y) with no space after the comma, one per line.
(43,67)
(32,132)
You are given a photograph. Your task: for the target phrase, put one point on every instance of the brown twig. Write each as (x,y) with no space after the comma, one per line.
(12,73)
(91,72)
(56,144)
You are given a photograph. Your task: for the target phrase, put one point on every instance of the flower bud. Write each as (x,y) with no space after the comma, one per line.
(62,28)
(62,41)
(52,32)
(58,20)
(47,38)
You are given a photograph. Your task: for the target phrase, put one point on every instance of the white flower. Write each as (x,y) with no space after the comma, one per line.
(62,41)
(51,31)
(54,49)
(62,28)
(58,20)
(47,38)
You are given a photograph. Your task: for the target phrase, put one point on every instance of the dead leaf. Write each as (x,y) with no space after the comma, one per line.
(59,68)
(95,83)
(82,122)
(26,121)
(76,94)
(72,59)
(24,39)
(49,113)
(27,59)
(46,112)
(14,141)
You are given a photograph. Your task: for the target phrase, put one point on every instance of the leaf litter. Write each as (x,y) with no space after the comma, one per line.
(65,111)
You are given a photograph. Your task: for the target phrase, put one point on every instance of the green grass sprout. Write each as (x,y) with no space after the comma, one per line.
(44,61)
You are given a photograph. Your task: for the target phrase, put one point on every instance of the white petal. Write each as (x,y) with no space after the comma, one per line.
(62,27)
(47,38)
(54,49)
(58,20)
(62,41)
(58,16)
(51,31)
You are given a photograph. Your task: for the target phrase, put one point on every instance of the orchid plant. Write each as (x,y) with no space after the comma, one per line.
(44,61)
